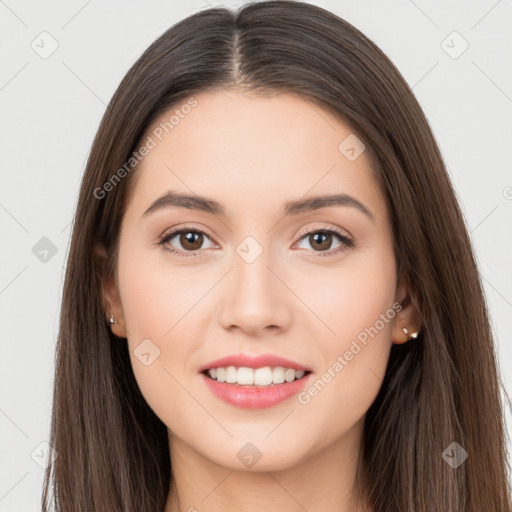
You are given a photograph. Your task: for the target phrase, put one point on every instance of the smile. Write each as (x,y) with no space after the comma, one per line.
(255,396)
(262,377)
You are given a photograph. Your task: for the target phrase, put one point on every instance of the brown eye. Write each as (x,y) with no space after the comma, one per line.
(191,240)
(320,240)
(185,241)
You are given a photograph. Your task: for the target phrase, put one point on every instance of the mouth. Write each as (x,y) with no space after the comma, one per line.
(263,377)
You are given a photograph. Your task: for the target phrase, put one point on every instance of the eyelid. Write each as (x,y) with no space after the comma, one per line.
(345,238)
(185,227)
(325,227)
(169,234)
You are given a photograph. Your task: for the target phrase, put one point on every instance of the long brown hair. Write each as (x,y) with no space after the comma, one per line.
(112,451)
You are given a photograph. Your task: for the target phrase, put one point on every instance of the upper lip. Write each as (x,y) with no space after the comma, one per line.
(249,361)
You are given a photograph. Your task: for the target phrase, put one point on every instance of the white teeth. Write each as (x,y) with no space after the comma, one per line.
(245,376)
(265,376)
(289,375)
(221,374)
(230,374)
(278,375)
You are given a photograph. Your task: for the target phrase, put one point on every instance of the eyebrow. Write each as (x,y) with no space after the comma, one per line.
(173,199)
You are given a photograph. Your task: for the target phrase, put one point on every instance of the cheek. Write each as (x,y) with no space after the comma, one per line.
(155,294)
(349,298)
(354,365)
(357,307)
(155,300)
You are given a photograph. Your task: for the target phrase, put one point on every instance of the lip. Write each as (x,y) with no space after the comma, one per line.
(254,397)
(249,361)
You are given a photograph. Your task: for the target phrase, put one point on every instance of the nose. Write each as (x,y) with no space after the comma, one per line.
(256,301)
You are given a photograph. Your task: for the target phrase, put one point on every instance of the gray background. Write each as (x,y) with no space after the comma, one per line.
(51,107)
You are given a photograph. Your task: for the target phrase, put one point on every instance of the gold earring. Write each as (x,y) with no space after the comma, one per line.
(414,335)
(112,321)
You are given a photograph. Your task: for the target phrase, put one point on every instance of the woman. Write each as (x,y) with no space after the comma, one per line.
(212,355)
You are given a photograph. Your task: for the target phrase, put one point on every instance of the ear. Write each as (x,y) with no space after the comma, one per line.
(110,295)
(408,317)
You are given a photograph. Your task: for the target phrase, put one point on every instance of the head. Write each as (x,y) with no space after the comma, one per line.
(255,114)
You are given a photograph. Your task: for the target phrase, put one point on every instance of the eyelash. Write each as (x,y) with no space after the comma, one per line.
(347,243)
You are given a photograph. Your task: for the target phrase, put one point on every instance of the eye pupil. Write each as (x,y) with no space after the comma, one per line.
(187,239)
(191,241)
(322,236)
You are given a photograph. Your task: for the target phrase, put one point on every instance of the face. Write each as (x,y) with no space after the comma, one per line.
(243,275)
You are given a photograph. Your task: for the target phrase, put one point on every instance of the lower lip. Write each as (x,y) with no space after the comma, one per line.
(253,397)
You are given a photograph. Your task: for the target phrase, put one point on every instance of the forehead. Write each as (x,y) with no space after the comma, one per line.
(247,150)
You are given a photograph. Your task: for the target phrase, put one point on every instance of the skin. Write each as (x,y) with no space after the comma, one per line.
(253,153)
